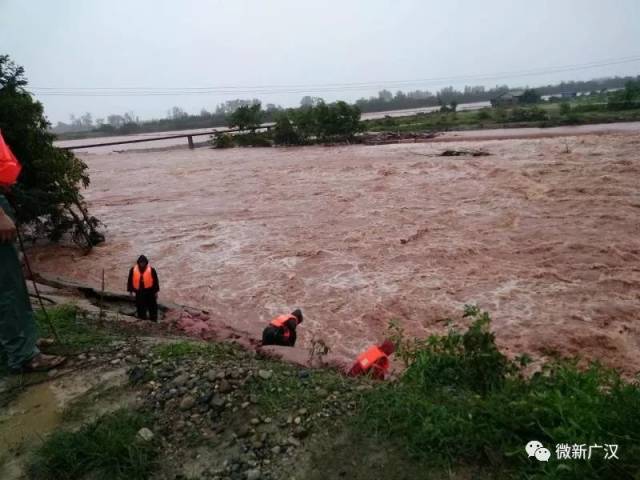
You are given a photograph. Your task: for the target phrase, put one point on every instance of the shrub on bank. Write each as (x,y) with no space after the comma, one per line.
(322,122)
(223,141)
(461,400)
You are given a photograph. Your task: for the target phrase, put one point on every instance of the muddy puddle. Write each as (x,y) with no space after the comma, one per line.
(543,233)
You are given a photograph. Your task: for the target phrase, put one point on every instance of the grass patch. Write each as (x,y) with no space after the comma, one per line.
(461,401)
(104,449)
(182,349)
(292,386)
(77,333)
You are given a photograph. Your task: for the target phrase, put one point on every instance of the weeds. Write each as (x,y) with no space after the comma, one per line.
(104,449)
(75,330)
(317,350)
(461,400)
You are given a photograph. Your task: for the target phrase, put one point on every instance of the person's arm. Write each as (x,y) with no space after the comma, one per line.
(156,282)
(292,325)
(8,230)
(130,281)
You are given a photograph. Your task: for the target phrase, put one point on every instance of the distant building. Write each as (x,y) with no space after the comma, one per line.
(512,97)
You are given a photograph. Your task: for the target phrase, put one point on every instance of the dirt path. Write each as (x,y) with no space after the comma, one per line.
(546,240)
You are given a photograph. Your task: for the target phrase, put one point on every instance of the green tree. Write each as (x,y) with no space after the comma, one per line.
(530,96)
(247,117)
(284,131)
(47,196)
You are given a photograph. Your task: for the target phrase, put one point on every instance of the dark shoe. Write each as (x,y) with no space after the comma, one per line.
(43,363)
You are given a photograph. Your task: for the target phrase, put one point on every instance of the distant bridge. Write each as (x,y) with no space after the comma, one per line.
(188,136)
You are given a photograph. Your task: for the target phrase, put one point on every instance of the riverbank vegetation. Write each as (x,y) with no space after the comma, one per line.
(47,195)
(460,407)
(461,400)
(619,106)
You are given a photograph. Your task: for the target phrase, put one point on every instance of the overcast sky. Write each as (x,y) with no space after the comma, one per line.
(241,43)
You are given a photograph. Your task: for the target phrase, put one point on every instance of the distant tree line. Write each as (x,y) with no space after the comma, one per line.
(446,98)
(387,100)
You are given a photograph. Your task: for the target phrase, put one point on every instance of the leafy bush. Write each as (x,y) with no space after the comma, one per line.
(247,117)
(223,140)
(322,122)
(285,133)
(527,114)
(253,139)
(484,114)
(565,108)
(462,400)
(47,195)
(104,449)
(530,96)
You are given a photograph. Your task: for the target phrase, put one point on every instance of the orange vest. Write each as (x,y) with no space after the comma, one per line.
(279,322)
(373,356)
(9,165)
(147,277)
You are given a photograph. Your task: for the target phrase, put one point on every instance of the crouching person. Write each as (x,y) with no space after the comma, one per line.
(282,330)
(374,361)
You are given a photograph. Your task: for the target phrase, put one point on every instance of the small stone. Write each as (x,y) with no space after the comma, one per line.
(253,474)
(253,399)
(302,411)
(293,442)
(145,434)
(243,431)
(187,403)
(217,401)
(224,387)
(321,392)
(82,356)
(276,450)
(254,421)
(137,374)
(115,361)
(211,375)
(297,420)
(267,420)
(52,373)
(244,404)
(181,380)
(265,374)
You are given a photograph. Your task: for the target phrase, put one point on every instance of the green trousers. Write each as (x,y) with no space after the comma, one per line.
(18,332)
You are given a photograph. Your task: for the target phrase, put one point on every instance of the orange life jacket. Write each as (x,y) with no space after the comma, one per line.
(147,277)
(280,321)
(9,165)
(373,356)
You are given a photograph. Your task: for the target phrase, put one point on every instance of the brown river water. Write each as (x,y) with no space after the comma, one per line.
(547,241)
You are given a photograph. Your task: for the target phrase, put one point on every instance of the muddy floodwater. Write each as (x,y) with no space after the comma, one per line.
(544,233)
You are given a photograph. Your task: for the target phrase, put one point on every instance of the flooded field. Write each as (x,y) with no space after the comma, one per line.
(543,233)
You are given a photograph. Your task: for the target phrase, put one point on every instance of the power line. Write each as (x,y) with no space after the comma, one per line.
(314,88)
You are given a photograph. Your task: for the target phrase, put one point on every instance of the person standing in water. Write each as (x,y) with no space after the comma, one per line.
(282,330)
(143,281)
(373,361)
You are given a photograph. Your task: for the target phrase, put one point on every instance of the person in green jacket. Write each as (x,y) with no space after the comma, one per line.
(18,333)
